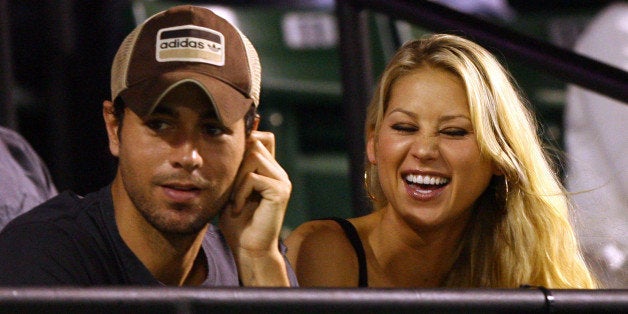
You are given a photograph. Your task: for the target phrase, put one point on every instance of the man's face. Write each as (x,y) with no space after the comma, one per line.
(179,163)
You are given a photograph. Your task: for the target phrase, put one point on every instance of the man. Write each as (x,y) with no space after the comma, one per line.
(185,88)
(25,181)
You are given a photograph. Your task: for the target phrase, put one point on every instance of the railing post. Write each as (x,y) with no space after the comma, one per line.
(7,106)
(357,82)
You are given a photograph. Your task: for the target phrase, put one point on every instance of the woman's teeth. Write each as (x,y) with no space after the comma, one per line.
(424,179)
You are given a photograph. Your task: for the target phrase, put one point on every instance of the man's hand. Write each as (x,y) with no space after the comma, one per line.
(251,222)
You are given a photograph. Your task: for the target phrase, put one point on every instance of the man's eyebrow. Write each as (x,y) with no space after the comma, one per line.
(164,110)
(210,114)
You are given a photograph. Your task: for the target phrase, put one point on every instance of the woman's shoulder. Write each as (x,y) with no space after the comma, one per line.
(322,255)
(316,233)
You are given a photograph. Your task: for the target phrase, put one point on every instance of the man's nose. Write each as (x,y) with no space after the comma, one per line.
(187,156)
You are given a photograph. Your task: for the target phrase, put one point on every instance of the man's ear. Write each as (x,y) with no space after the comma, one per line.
(255,122)
(112,124)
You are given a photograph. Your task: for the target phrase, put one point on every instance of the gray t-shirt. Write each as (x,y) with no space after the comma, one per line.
(24,179)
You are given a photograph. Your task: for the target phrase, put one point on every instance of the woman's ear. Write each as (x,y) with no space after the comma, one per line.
(112,125)
(497,170)
(370,148)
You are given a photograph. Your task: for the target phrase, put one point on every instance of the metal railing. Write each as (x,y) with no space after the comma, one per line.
(309,300)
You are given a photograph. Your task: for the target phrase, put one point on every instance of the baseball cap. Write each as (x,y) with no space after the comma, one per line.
(187,44)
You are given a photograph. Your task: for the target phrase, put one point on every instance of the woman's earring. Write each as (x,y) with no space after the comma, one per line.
(501,192)
(367,186)
(506,189)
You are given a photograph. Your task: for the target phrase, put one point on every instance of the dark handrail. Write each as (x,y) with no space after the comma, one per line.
(561,63)
(558,62)
(7,107)
(308,300)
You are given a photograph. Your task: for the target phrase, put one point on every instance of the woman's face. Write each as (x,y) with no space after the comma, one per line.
(427,155)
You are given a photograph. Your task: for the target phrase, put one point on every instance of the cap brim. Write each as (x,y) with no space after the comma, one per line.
(230,104)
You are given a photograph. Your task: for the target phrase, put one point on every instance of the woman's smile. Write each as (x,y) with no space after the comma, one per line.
(425,187)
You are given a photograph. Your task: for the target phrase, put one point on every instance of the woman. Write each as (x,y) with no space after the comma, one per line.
(463,192)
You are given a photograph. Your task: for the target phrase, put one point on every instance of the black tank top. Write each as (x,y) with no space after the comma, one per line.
(352,235)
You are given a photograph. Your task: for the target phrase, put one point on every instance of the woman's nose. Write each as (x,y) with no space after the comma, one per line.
(425,147)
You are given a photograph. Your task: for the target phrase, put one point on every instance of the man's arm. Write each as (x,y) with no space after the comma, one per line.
(252,221)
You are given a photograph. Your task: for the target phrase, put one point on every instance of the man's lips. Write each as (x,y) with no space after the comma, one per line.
(180,193)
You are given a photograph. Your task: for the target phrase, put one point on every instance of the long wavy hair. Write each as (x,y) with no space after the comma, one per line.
(520,232)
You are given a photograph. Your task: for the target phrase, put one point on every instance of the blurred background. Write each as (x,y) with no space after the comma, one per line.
(56,57)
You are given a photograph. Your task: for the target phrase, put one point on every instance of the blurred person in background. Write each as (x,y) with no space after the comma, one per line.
(596,144)
(24,178)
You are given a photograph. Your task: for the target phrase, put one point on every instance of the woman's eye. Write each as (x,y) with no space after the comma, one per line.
(402,127)
(455,132)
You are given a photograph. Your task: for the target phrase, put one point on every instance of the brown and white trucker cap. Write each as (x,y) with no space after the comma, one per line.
(187,44)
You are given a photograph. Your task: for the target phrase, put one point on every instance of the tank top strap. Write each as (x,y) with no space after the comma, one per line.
(354,239)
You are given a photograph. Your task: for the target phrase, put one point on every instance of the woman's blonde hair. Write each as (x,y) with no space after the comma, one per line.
(520,232)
